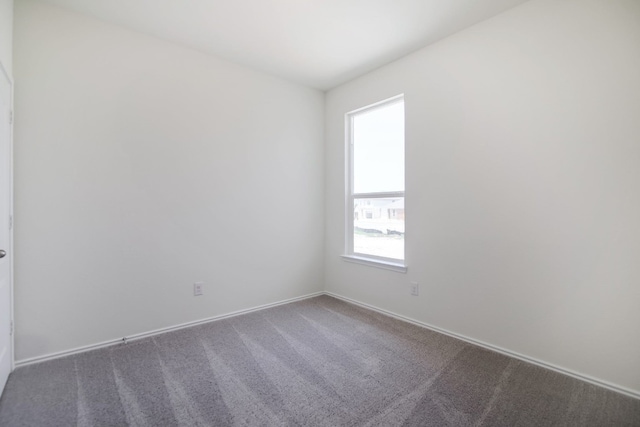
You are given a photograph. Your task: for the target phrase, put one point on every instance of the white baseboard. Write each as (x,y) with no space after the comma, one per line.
(595,381)
(559,369)
(134,337)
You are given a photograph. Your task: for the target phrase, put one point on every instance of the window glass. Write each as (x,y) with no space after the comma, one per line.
(378,227)
(378,149)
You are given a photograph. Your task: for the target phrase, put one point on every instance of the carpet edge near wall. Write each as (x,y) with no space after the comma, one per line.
(141,335)
(134,337)
(565,371)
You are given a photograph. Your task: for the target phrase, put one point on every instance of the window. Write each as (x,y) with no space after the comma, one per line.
(375,190)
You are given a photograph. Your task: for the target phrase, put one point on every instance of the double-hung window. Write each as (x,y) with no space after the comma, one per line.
(375,188)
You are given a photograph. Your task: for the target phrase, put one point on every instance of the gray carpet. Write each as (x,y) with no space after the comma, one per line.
(318,362)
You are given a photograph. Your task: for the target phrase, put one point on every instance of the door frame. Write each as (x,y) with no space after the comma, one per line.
(5,74)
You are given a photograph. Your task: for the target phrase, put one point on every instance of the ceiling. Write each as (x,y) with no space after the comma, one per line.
(319,43)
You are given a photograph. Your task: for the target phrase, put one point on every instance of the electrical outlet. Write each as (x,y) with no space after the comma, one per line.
(197,289)
(415,289)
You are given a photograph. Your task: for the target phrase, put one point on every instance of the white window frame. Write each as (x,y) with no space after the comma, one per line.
(351,196)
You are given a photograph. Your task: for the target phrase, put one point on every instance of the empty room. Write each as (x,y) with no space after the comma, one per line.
(319,213)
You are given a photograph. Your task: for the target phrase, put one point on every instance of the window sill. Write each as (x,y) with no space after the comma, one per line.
(386,265)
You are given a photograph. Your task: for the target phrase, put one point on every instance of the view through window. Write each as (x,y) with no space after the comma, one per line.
(376,146)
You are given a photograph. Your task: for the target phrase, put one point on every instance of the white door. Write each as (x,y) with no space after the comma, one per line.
(5,232)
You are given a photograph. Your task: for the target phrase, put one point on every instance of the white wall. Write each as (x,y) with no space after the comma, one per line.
(142,167)
(523,185)
(6,35)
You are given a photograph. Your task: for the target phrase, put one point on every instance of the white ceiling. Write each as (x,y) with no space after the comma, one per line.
(319,43)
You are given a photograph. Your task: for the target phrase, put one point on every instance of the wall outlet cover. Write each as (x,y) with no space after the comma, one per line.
(415,289)
(198,289)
